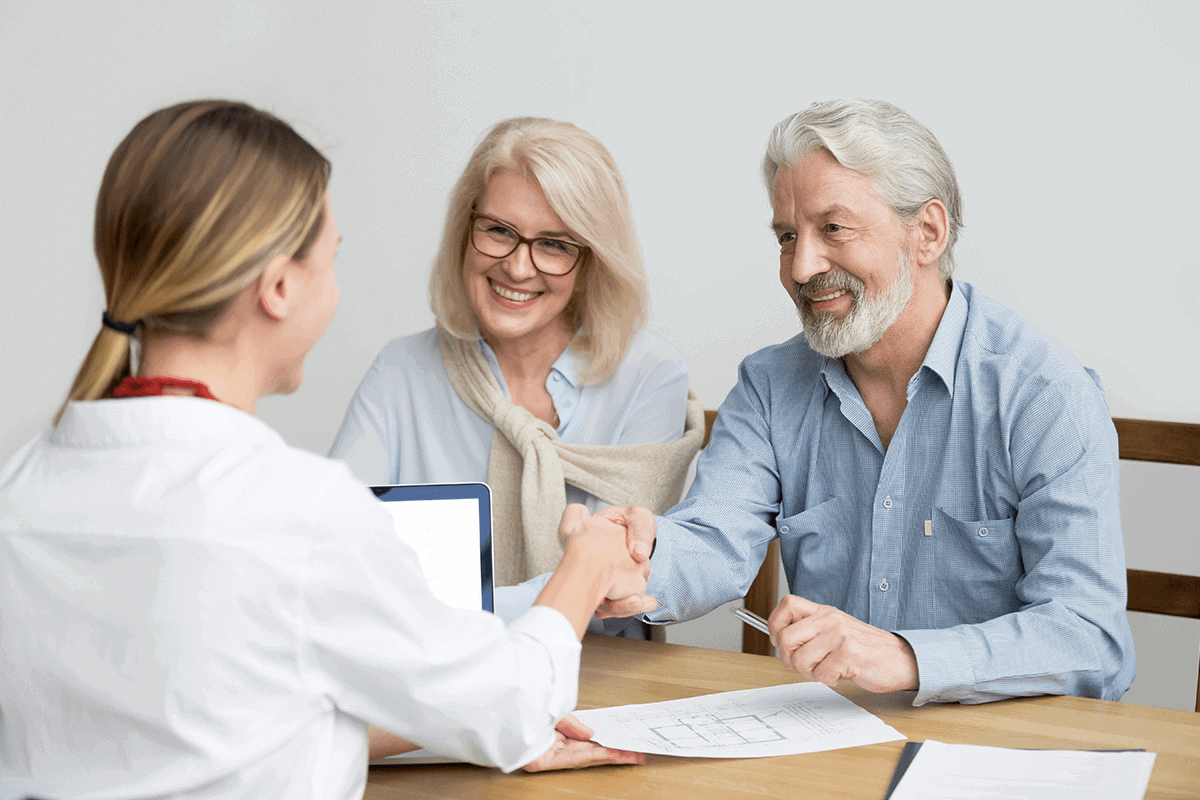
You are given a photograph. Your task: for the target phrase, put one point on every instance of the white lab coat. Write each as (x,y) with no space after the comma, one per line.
(188,606)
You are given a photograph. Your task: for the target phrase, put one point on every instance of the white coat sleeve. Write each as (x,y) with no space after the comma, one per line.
(385,650)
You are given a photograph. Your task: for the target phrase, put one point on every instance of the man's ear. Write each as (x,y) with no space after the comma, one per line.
(931,232)
(274,289)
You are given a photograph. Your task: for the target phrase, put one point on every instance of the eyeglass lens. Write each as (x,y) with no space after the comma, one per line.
(551,256)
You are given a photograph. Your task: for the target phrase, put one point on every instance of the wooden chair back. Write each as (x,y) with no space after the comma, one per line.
(1166,593)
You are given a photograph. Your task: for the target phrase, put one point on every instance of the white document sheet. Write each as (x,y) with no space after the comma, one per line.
(959,771)
(751,723)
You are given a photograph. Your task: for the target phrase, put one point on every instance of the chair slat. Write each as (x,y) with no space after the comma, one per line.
(1164,593)
(1166,442)
(761,600)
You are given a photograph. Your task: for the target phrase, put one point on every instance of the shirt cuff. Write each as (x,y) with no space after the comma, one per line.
(944,670)
(660,570)
(556,635)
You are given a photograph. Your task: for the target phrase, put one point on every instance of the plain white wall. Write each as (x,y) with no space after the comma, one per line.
(1071,125)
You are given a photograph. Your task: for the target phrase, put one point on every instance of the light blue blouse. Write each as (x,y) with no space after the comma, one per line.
(406,424)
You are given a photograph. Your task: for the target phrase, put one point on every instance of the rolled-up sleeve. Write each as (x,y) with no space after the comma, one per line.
(710,547)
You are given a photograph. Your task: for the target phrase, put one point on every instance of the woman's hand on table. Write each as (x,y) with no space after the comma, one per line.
(574,749)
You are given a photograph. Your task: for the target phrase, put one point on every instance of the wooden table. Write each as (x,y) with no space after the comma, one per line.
(619,671)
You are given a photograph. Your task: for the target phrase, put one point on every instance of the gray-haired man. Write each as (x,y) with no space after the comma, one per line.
(942,476)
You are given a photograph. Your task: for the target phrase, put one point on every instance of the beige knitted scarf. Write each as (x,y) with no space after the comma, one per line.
(529,466)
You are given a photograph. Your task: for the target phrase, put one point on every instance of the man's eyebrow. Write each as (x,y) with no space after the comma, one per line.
(837,208)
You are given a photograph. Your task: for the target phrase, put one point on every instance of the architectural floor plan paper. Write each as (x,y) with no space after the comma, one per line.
(751,723)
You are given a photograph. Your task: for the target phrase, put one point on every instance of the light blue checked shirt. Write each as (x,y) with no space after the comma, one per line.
(987,534)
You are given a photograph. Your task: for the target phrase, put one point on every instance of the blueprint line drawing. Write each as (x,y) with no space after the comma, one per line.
(776,720)
(726,724)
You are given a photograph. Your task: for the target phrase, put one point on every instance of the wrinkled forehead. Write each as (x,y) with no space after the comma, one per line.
(818,179)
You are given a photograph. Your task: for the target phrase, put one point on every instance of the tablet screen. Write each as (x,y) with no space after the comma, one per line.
(449,525)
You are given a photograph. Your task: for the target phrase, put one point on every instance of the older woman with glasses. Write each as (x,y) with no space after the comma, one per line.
(536,377)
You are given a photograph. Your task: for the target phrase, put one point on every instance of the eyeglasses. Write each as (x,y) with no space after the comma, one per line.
(497,239)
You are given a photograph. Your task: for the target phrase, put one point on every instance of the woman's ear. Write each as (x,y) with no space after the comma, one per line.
(274,289)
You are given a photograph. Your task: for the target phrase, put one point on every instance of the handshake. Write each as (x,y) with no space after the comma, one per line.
(605,564)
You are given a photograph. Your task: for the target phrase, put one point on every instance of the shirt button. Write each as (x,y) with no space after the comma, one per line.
(783,529)
(554,377)
(887,502)
(983,531)
(883,586)
(567,403)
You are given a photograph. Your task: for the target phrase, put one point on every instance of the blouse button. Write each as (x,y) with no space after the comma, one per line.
(887,502)
(883,585)
(783,528)
(983,531)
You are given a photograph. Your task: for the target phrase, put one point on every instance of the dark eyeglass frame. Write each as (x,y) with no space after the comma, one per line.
(583,248)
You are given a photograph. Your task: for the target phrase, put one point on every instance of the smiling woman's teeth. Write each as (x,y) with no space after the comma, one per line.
(508,294)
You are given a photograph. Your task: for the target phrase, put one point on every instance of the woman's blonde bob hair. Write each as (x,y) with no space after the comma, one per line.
(194,202)
(583,186)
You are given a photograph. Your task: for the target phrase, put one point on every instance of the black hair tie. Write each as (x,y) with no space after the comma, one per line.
(127,328)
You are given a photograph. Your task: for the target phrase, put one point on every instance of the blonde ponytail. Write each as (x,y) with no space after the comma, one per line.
(106,365)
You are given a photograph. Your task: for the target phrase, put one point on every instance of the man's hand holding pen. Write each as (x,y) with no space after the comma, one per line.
(826,644)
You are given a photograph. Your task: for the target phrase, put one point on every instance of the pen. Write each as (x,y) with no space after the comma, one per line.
(751,619)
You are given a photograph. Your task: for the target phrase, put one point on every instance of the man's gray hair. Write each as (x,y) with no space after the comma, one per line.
(899,154)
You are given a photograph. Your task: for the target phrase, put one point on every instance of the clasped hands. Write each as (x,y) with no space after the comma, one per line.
(639,538)
(626,597)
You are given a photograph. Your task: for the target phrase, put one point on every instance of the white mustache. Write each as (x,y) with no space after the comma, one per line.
(825,282)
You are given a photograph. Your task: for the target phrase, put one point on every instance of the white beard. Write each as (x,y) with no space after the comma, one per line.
(868,320)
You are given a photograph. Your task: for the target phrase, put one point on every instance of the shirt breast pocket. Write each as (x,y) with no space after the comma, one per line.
(813,545)
(978,566)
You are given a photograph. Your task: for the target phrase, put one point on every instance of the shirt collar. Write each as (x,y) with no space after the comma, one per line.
(149,420)
(942,356)
(570,365)
(833,371)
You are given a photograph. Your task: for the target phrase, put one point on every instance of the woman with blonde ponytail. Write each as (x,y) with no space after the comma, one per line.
(191,608)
